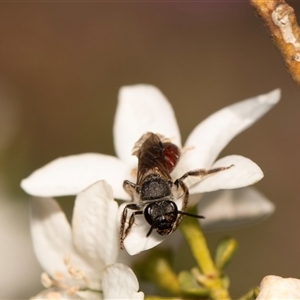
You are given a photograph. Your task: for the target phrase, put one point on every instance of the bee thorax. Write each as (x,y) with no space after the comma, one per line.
(154,187)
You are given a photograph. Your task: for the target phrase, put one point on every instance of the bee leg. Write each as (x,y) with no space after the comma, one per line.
(179,183)
(124,232)
(122,227)
(203,173)
(131,222)
(185,190)
(130,188)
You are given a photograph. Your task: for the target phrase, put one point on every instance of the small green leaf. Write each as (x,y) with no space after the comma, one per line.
(187,280)
(224,252)
(190,286)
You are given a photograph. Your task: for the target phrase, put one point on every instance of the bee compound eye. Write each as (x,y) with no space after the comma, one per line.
(148,213)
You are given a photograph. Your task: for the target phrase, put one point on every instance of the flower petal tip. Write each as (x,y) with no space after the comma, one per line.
(119,282)
(272,97)
(137,241)
(28,185)
(23,184)
(137,88)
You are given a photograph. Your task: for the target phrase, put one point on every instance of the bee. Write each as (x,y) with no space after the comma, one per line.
(154,192)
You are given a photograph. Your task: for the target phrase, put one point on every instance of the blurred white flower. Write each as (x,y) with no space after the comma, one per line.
(144,108)
(234,208)
(80,261)
(274,288)
(17,260)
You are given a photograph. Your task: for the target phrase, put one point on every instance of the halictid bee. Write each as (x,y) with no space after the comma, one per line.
(154,191)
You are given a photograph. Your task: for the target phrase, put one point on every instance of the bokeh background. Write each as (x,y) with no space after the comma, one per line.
(61,65)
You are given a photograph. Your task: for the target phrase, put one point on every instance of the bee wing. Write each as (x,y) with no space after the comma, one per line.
(148,136)
(150,152)
(137,146)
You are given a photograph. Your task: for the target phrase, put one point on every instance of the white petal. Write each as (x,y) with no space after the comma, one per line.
(89,295)
(243,172)
(210,137)
(142,108)
(234,208)
(137,240)
(94,225)
(275,288)
(53,244)
(119,282)
(72,174)
(52,236)
(54,293)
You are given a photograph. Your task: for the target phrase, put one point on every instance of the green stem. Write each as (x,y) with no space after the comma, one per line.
(164,276)
(196,240)
(157,269)
(211,277)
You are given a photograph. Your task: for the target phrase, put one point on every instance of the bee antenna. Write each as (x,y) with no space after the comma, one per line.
(190,215)
(149,232)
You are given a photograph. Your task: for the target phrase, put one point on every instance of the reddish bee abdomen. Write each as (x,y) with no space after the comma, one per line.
(171,154)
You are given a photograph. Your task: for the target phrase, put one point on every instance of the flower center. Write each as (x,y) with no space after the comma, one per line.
(63,283)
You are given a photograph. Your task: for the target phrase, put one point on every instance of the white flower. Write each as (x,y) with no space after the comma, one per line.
(80,261)
(14,223)
(275,288)
(144,108)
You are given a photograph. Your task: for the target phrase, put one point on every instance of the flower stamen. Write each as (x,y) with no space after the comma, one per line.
(47,282)
(73,290)
(73,271)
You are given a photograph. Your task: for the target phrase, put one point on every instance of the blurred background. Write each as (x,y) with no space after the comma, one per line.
(61,66)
